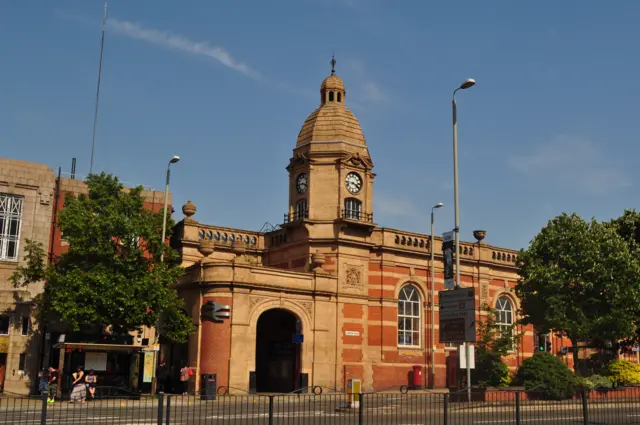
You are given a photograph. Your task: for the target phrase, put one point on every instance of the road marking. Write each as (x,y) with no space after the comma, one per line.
(509,421)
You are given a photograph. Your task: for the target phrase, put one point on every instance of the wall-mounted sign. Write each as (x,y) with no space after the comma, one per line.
(352,333)
(216,312)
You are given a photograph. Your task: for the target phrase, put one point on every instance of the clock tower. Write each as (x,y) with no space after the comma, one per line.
(330,173)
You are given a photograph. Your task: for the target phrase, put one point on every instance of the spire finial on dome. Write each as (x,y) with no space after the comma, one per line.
(333,64)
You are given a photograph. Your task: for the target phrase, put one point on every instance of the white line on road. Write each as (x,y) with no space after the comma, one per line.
(508,421)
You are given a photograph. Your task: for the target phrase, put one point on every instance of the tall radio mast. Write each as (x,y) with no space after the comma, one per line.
(95,114)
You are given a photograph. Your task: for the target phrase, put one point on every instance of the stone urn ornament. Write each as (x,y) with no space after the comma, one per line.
(317,261)
(479,235)
(206,247)
(189,209)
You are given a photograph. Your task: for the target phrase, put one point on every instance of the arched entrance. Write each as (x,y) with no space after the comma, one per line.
(277,357)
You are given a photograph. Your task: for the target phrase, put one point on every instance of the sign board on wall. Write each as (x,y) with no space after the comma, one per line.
(95,361)
(448,255)
(147,375)
(352,333)
(458,316)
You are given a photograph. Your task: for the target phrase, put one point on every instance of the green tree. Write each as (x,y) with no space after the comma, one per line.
(580,279)
(112,273)
(494,342)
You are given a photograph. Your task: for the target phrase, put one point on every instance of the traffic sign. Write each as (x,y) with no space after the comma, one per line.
(457,316)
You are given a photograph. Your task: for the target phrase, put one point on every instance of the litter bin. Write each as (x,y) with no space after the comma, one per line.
(208,386)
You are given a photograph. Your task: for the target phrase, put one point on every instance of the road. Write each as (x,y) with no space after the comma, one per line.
(314,411)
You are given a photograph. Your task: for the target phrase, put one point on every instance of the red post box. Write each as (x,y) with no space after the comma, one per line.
(417,377)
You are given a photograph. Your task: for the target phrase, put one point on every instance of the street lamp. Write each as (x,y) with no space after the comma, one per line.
(156,355)
(467,84)
(433,295)
(173,160)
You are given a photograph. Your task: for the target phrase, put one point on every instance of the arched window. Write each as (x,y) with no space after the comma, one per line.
(330,96)
(504,313)
(301,210)
(352,208)
(339,97)
(409,312)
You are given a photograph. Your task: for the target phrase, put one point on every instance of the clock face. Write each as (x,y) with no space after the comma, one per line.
(353,182)
(301,183)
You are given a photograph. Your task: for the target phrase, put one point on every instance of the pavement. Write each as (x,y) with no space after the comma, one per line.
(310,410)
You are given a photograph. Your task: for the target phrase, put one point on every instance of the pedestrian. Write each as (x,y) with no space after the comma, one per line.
(43,383)
(52,384)
(91,381)
(185,374)
(79,391)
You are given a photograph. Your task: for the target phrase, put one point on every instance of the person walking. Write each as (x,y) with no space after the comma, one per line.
(43,383)
(79,391)
(52,386)
(91,381)
(185,374)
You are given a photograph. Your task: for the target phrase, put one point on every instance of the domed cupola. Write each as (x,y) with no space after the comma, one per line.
(332,121)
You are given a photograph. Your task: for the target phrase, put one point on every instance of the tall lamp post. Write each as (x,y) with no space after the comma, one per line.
(166,199)
(433,297)
(173,160)
(467,84)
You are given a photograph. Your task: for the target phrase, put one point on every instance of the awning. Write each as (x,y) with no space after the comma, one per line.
(98,347)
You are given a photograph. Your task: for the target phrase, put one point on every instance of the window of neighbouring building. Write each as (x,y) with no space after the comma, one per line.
(5,322)
(301,210)
(409,312)
(10,222)
(22,362)
(26,325)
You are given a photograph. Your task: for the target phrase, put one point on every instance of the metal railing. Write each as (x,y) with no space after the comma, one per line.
(358,215)
(617,406)
(297,215)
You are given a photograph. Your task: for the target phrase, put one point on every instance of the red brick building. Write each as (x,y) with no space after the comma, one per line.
(329,295)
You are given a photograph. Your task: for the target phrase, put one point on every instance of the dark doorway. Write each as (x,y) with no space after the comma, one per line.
(277,357)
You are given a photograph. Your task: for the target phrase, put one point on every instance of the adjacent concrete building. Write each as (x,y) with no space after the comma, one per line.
(26,203)
(328,295)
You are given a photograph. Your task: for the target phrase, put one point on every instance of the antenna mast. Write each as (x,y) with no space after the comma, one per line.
(95,114)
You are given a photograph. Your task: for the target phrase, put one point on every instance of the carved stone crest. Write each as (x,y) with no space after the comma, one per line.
(308,306)
(45,196)
(353,278)
(358,160)
(297,160)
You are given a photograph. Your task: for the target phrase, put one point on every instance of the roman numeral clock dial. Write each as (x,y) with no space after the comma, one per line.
(353,182)
(301,183)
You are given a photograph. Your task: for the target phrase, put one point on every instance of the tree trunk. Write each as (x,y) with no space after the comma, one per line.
(576,363)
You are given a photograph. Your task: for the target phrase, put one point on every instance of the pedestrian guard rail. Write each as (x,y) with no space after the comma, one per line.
(395,406)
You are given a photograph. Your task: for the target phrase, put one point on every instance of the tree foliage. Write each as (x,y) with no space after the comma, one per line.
(494,342)
(112,273)
(580,279)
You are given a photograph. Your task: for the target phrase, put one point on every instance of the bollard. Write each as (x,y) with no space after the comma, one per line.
(43,413)
(168,417)
(517,408)
(585,410)
(160,407)
(270,410)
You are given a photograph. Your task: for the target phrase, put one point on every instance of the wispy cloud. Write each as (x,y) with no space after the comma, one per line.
(364,86)
(394,206)
(573,162)
(178,42)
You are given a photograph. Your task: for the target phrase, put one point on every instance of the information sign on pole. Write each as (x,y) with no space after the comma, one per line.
(448,256)
(457,316)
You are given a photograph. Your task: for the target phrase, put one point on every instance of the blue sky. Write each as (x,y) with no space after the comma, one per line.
(551,126)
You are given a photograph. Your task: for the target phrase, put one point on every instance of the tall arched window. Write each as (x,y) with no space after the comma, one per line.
(352,208)
(504,313)
(301,210)
(409,312)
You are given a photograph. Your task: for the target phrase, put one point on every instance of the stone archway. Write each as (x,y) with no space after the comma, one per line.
(278,359)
